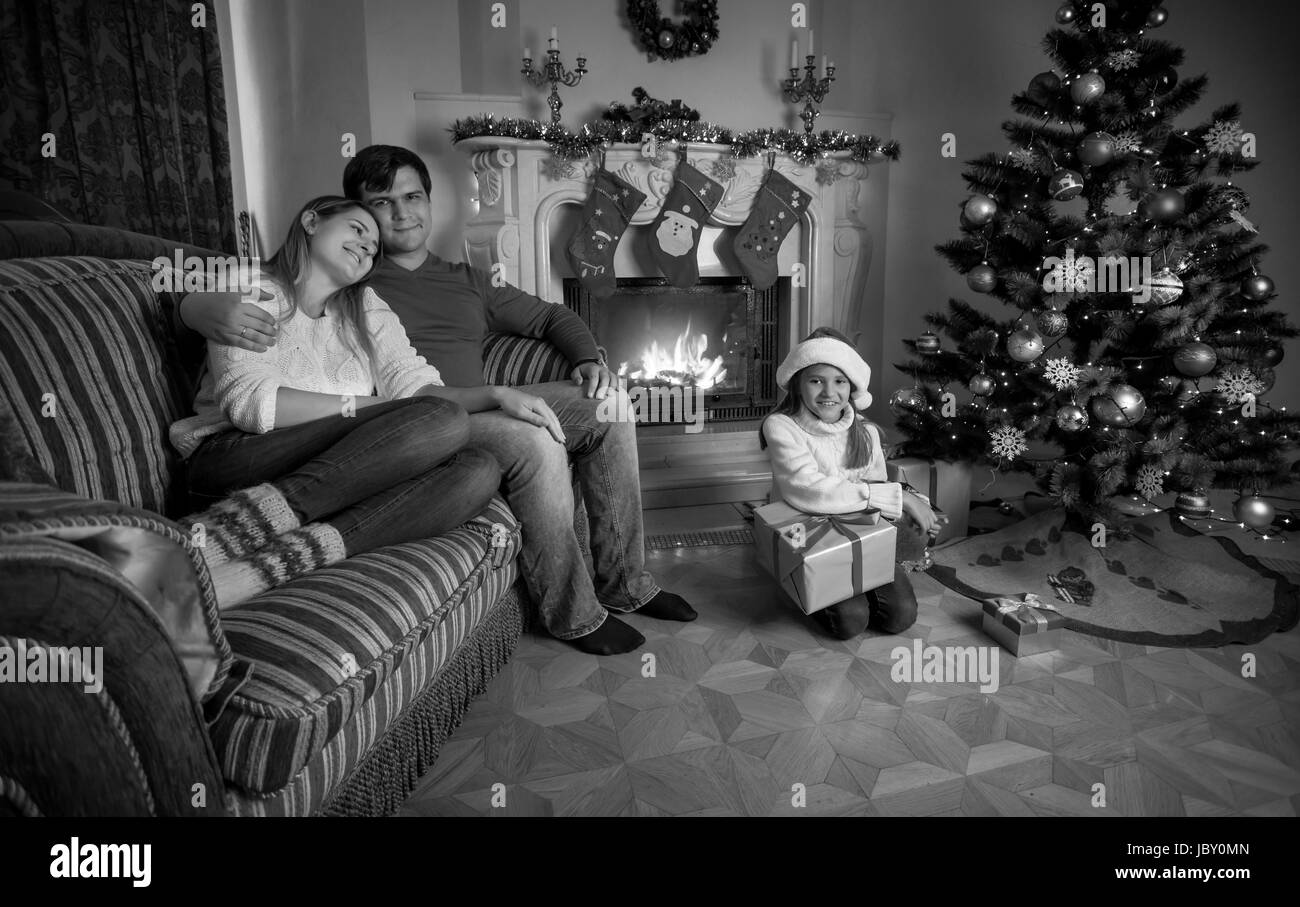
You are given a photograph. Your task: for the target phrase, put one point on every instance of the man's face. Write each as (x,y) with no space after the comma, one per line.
(402,212)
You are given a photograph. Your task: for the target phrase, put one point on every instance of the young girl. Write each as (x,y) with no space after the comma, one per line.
(328,467)
(827,459)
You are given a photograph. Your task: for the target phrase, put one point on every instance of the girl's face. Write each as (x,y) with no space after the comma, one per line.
(344,245)
(825,391)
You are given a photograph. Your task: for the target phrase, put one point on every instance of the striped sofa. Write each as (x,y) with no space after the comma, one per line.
(328,695)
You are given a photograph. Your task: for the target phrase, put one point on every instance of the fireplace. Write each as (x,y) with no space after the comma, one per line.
(719,336)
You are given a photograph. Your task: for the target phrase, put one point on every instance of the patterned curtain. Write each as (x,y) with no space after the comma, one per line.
(131,91)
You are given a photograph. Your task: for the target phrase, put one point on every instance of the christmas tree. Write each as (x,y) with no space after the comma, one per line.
(1143,344)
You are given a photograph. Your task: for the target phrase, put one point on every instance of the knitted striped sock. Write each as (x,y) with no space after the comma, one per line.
(286,557)
(241,523)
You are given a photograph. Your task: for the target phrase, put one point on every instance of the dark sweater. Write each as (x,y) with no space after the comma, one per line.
(448,308)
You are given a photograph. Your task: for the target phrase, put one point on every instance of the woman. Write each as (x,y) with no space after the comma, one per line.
(327,468)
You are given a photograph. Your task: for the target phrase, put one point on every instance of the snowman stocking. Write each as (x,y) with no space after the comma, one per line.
(677,229)
(778,207)
(604,218)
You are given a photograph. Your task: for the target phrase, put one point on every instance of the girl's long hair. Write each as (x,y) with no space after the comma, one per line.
(288,267)
(858,452)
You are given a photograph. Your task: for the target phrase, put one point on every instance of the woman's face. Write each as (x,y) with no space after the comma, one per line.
(825,391)
(344,245)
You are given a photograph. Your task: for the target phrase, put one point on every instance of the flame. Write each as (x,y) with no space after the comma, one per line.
(684,365)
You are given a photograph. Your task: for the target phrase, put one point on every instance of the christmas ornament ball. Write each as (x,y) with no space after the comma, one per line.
(1272,354)
(1254,511)
(1087,88)
(1097,149)
(906,399)
(1195,359)
(1157,17)
(1043,88)
(927,342)
(979,210)
(1256,287)
(982,385)
(982,279)
(1071,418)
(1267,378)
(1122,407)
(1228,198)
(667,38)
(1065,184)
(1165,286)
(1166,79)
(1166,205)
(1053,324)
(1025,345)
(1065,14)
(1194,504)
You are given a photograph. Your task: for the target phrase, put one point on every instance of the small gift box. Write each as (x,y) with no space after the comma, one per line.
(822,560)
(1024,625)
(945,482)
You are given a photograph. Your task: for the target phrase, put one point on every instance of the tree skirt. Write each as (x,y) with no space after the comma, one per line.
(1165,585)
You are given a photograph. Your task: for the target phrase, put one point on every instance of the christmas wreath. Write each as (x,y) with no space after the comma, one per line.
(663,38)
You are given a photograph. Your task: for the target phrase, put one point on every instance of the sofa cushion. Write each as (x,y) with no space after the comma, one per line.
(87,368)
(513,360)
(322,645)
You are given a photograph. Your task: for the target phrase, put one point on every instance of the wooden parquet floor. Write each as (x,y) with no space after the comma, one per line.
(752,699)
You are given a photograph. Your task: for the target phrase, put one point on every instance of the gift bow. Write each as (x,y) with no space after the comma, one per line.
(1023,608)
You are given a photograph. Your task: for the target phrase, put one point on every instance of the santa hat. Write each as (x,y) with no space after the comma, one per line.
(829,351)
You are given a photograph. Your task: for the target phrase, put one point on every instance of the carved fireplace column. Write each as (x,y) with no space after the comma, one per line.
(521,185)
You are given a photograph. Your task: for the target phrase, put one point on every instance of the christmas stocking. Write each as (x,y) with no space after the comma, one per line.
(677,229)
(777,208)
(604,218)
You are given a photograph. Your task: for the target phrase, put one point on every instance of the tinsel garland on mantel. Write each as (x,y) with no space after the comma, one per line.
(570,146)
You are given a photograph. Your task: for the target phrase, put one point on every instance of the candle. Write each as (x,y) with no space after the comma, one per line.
(528,53)
(823,64)
(810,42)
(794,54)
(555,38)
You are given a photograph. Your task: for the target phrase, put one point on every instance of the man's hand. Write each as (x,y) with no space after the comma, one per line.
(596,377)
(225,318)
(530,409)
(921,513)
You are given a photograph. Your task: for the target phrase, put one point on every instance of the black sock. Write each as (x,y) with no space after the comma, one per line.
(666,606)
(613,637)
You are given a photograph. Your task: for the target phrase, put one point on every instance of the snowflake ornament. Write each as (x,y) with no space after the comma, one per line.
(1150,482)
(1024,158)
(1123,59)
(1127,142)
(1008,442)
(1237,383)
(828,171)
(724,168)
(1077,274)
(1223,137)
(1061,372)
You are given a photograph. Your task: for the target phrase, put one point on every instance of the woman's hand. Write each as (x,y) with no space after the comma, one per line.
(921,513)
(528,408)
(226,319)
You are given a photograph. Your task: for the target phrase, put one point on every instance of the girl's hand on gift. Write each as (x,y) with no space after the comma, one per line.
(921,513)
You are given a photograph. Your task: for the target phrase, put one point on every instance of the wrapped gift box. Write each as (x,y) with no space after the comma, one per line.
(1024,625)
(822,560)
(945,482)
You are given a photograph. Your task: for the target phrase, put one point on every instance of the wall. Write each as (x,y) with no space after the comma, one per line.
(936,66)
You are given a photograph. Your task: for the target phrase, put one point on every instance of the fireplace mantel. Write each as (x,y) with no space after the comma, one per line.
(521,185)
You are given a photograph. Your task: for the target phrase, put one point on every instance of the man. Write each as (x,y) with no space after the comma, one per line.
(447,309)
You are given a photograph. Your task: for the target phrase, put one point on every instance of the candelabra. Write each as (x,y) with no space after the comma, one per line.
(808,89)
(555,73)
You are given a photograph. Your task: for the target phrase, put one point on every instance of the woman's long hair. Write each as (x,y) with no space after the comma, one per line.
(858,452)
(288,267)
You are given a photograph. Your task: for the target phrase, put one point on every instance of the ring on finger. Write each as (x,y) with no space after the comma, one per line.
(242,332)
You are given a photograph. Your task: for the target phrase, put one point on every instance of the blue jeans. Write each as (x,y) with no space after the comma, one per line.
(393,472)
(538,486)
(890,608)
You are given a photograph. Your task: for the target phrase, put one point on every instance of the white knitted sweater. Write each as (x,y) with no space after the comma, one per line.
(238,388)
(807,457)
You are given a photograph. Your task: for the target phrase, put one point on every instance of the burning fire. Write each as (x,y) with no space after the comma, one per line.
(684,365)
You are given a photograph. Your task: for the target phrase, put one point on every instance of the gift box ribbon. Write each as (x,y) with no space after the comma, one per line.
(815,528)
(1018,612)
